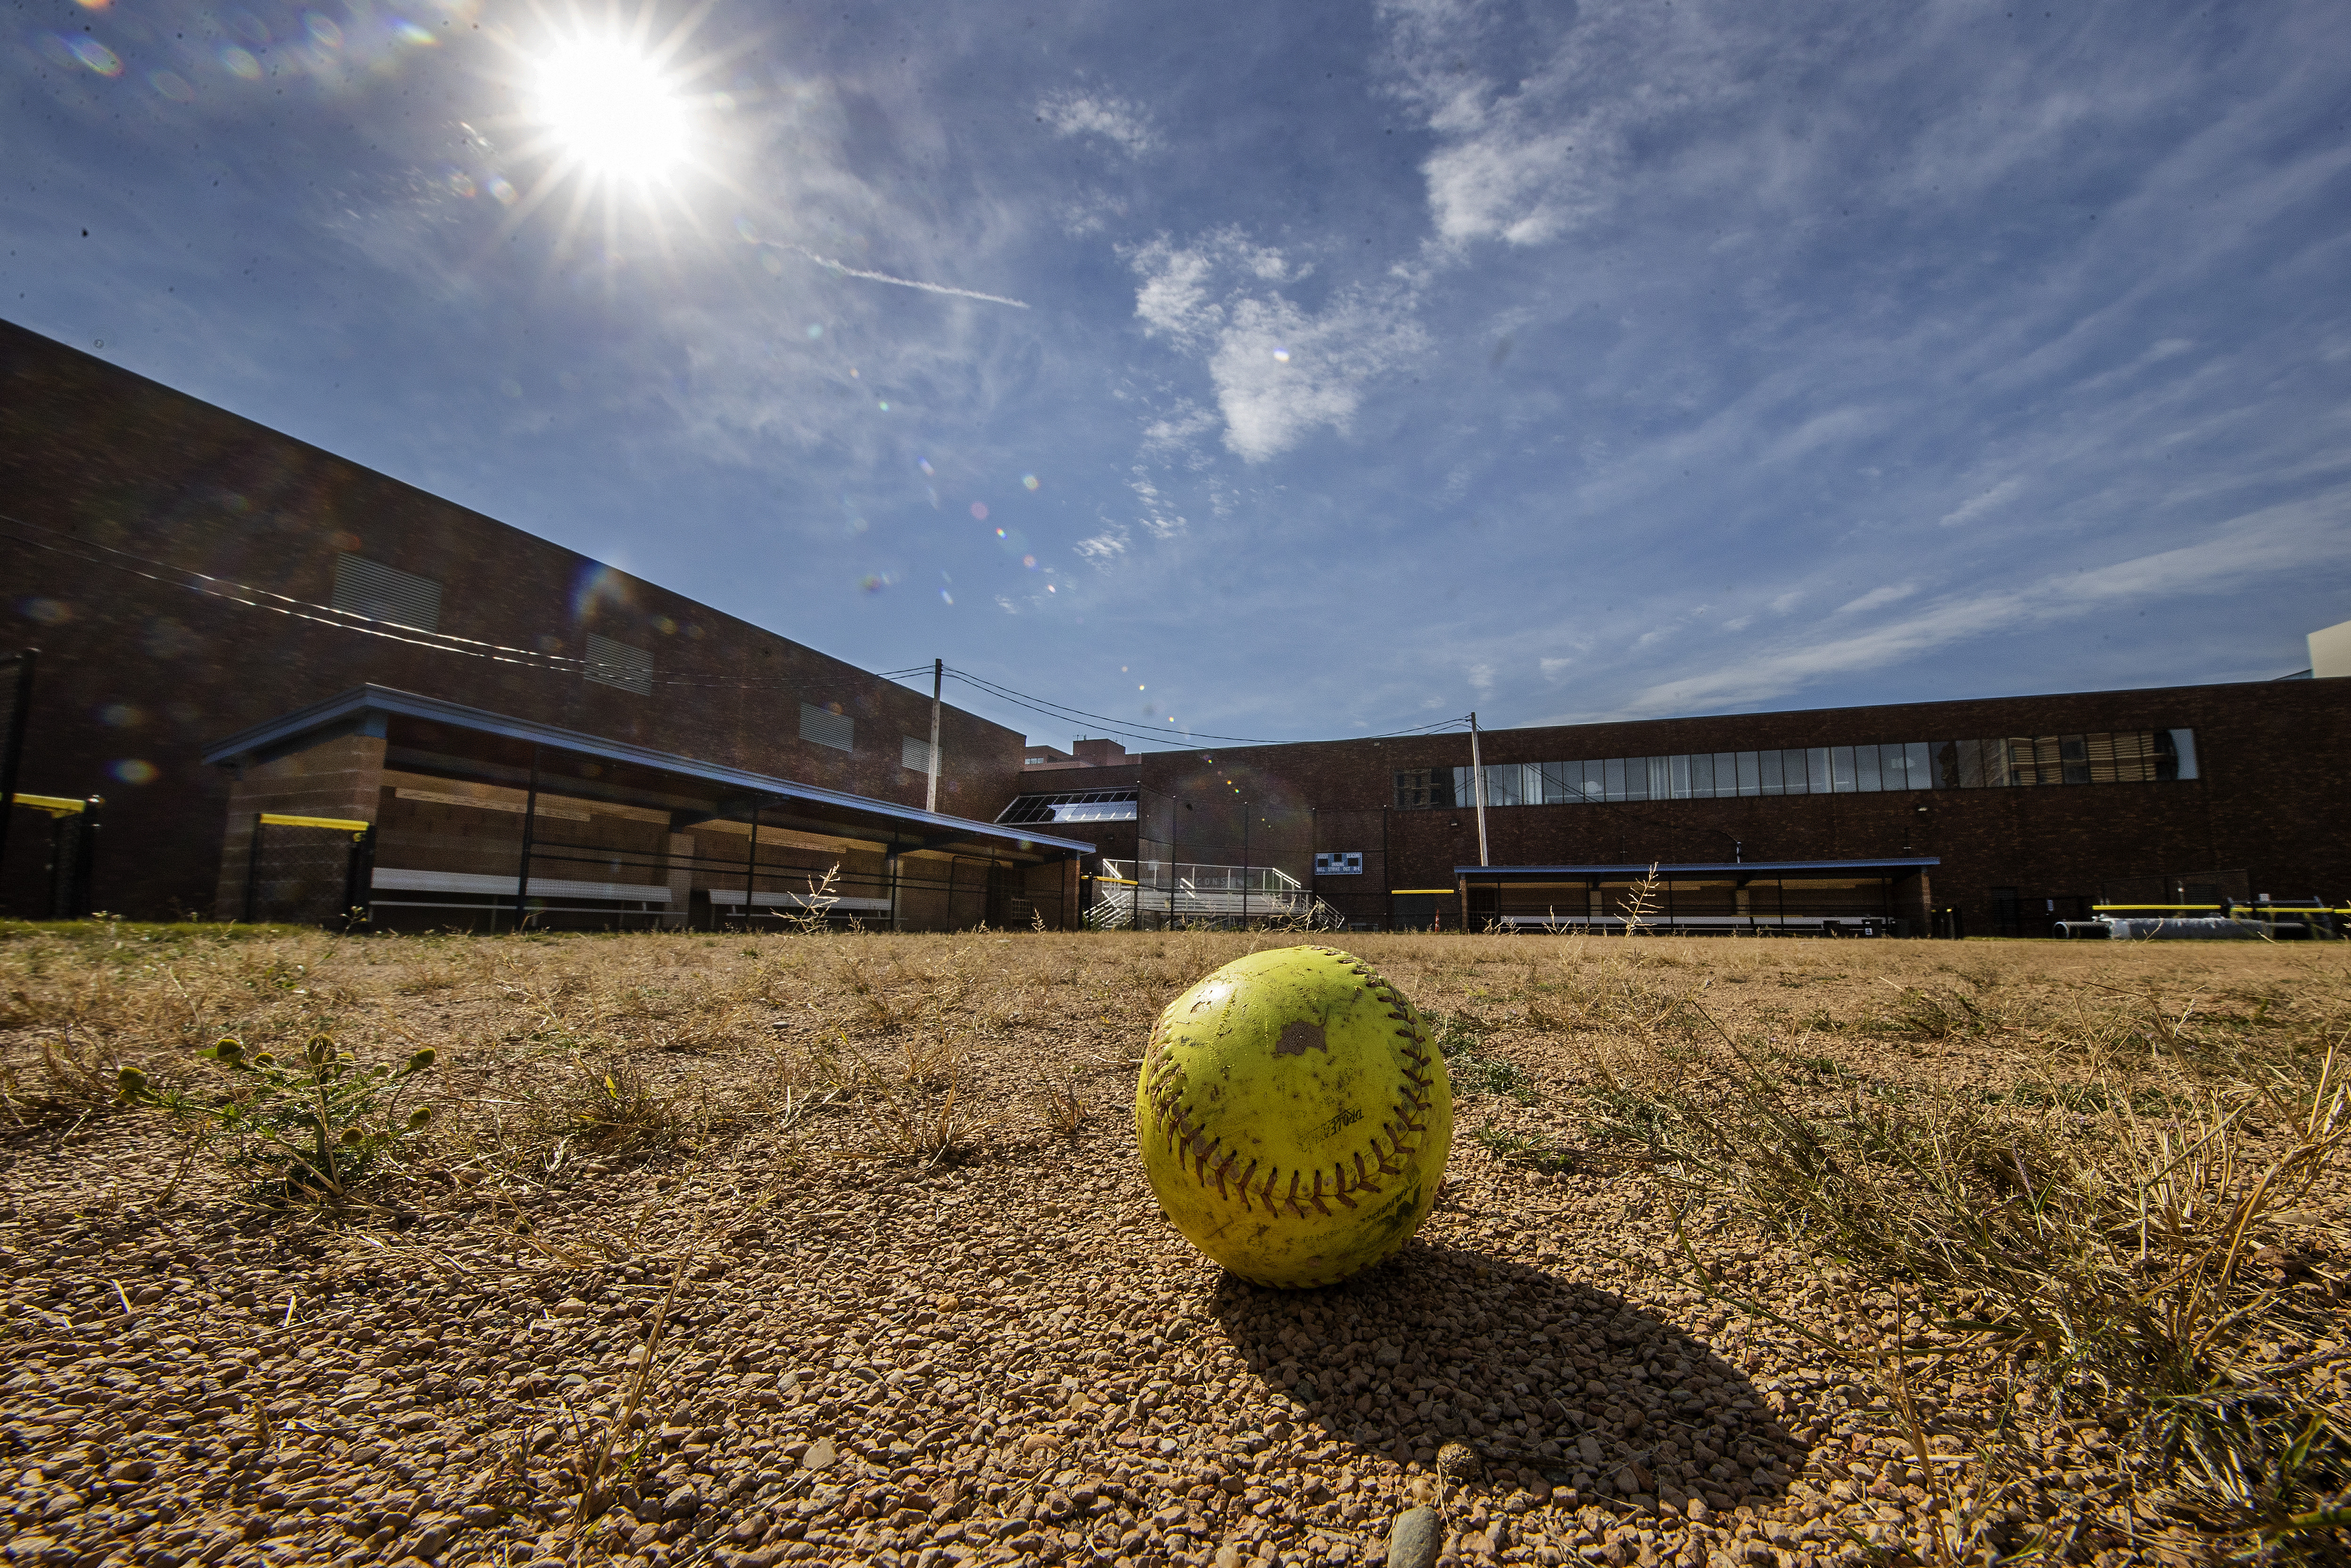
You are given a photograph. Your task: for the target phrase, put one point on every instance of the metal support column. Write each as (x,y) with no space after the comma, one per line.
(751,872)
(530,828)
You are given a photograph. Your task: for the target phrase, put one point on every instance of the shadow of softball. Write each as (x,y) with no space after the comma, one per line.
(1552,1382)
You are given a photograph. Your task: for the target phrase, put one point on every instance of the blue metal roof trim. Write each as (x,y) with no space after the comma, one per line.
(364,700)
(1740,866)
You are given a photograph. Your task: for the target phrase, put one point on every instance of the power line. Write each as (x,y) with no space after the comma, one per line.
(1128,729)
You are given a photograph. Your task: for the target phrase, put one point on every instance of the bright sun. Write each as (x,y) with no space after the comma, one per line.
(610,108)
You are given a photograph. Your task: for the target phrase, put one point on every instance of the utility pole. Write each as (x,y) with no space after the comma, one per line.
(1478,788)
(938,678)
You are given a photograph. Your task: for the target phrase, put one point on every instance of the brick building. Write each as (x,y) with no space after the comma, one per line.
(190,577)
(2015,812)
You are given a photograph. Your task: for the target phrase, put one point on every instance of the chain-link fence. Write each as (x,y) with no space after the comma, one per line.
(308,870)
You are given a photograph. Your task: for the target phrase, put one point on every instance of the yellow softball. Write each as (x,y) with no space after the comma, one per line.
(1294,1117)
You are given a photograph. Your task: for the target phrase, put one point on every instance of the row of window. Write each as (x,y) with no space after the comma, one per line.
(2122,756)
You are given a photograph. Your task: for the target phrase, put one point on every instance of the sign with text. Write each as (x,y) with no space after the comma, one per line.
(1345,863)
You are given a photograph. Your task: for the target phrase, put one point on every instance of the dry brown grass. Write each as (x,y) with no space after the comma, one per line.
(2058,1205)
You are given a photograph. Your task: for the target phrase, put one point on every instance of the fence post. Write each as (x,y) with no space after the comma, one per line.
(252,868)
(751,873)
(12,745)
(85,859)
(530,825)
(359,882)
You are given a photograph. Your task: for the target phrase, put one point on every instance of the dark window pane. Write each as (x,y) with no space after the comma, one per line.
(1701,776)
(1419,789)
(2183,749)
(1867,771)
(1816,770)
(1613,773)
(1841,770)
(1751,781)
(1767,766)
(1917,764)
(1677,770)
(2073,759)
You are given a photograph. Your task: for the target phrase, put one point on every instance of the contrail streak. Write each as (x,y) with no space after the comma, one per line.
(845,270)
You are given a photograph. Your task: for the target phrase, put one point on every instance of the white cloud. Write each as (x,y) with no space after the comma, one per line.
(1112,119)
(1892,593)
(1155,518)
(1105,547)
(1968,511)
(1481,679)
(2289,537)
(1280,370)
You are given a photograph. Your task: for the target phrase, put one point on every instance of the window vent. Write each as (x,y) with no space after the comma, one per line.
(826,728)
(617,664)
(914,754)
(386,593)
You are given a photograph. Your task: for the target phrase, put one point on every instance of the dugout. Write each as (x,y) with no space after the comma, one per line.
(1884,898)
(388,810)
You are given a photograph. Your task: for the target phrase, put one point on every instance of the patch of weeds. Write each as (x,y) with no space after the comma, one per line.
(611,1112)
(1628,1117)
(2088,1099)
(2113,1265)
(1517,1148)
(1934,1015)
(1461,1039)
(1484,1074)
(75,1083)
(308,1127)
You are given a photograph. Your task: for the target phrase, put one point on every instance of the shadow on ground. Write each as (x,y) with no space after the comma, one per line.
(1552,1382)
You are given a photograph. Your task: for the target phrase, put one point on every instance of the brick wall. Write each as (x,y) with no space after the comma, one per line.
(138,677)
(2275,760)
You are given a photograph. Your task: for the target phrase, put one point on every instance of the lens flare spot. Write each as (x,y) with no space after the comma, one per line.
(925,465)
(239,63)
(411,33)
(1028,481)
(881,403)
(502,190)
(946,596)
(323,29)
(460,182)
(979,510)
(1029,562)
(1282,355)
(171,85)
(134,770)
(96,55)
(999,533)
(120,716)
(815,332)
(873,583)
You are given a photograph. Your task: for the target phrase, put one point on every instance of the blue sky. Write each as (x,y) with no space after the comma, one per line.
(1370,364)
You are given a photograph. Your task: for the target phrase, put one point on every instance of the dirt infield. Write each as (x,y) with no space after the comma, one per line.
(836,1249)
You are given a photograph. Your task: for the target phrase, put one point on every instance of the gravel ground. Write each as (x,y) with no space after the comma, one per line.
(773,1326)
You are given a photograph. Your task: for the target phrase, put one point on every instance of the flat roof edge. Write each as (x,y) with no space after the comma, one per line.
(1664,868)
(345,705)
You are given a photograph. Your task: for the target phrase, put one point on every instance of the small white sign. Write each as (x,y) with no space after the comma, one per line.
(1346,863)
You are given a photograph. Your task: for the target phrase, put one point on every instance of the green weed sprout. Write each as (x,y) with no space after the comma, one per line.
(315,1123)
